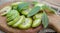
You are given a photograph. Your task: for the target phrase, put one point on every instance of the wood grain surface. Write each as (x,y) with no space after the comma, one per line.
(54,22)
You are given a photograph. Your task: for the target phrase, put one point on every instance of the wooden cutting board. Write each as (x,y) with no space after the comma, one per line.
(54,22)
(7,29)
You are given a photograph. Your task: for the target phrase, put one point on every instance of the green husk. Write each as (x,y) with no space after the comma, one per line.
(12,15)
(39,15)
(5,10)
(27,24)
(36,22)
(21,20)
(25,12)
(14,21)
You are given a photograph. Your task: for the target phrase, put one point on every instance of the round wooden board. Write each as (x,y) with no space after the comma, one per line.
(7,29)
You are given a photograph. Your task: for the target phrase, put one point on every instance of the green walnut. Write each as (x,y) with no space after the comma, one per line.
(12,15)
(5,10)
(26,24)
(21,20)
(14,21)
(25,12)
(36,22)
(12,12)
(39,15)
